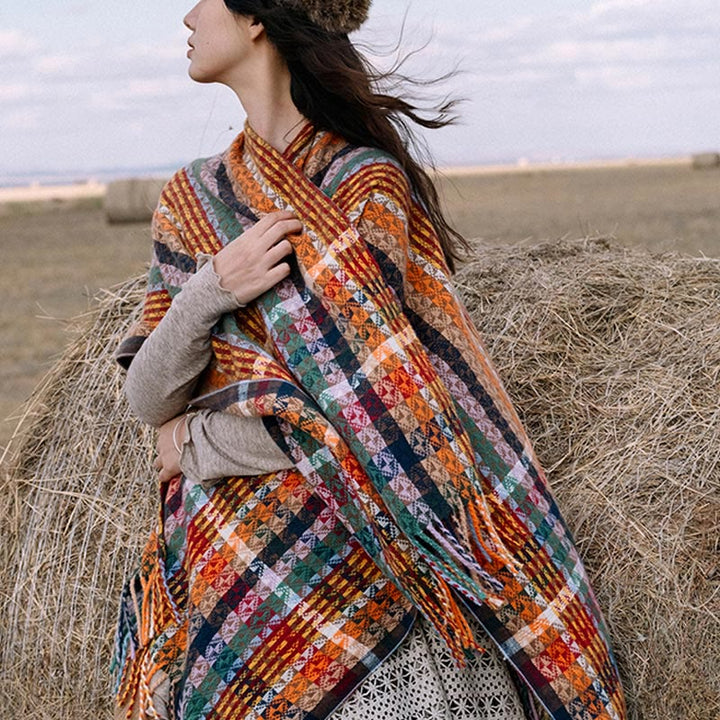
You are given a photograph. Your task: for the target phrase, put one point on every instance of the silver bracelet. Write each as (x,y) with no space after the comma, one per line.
(176,444)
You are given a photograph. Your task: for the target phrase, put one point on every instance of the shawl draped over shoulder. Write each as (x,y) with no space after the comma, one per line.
(415,488)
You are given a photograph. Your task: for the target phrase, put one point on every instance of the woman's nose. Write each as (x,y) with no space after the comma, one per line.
(188,19)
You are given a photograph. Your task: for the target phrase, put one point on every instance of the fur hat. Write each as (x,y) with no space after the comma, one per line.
(335,16)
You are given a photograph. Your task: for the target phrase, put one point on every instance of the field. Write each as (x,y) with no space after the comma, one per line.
(58,255)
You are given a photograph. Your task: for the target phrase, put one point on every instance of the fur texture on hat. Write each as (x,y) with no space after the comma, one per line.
(335,16)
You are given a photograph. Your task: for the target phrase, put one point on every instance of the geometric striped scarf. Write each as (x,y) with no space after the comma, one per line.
(415,488)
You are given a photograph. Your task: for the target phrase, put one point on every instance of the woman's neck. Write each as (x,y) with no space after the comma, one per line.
(275,124)
(268,105)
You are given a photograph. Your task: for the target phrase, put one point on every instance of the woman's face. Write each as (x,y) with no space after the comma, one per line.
(219,41)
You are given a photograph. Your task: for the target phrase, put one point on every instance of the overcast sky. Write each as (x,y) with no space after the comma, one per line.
(89,86)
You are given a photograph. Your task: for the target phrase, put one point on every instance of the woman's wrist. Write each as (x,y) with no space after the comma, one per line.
(203,299)
(205,259)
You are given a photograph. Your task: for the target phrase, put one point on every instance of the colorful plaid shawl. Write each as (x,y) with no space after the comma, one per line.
(415,487)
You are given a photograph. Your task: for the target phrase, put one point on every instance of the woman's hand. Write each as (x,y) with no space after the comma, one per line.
(171,436)
(253,262)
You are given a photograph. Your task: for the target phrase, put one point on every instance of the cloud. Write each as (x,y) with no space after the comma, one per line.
(638,16)
(59,64)
(26,119)
(614,78)
(136,94)
(658,50)
(617,45)
(15,44)
(531,81)
(507,32)
(536,81)
(14,92)
(86,91)
(172,50)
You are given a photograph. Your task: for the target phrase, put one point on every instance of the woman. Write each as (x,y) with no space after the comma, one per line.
(350,497)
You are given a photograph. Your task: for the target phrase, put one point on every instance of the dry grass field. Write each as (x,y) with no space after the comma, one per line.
(663,206)
(57,256)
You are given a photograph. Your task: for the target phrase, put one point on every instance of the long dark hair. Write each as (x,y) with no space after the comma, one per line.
(337,89)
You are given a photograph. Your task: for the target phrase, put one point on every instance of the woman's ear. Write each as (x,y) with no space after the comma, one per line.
(256,29)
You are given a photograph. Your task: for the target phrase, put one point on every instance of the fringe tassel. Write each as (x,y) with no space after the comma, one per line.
(154,613)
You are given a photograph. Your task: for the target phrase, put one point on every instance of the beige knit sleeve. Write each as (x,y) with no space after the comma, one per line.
(219,445)
(162,377)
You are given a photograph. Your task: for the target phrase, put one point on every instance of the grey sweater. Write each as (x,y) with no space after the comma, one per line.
(217,444)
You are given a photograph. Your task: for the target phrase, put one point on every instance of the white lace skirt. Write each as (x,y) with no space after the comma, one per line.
(420,681)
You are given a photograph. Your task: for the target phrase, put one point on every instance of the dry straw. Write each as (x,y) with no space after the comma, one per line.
(613,358)
(75,505)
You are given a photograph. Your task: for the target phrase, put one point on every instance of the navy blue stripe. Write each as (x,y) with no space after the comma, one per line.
(437,344)
(179,260)
(385,424)
(226,194)
(520,661)
(318,178)
(431,339)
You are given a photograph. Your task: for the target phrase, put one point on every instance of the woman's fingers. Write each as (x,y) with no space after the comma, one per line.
(252,246)
(248,266)
(277,273)
(270,219)
(278,230)
(273,226)
(278,251)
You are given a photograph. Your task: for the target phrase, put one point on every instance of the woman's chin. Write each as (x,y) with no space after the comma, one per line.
(198,75)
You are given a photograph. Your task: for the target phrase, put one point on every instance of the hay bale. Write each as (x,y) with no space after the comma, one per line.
(75,502)
(613,358)
(132,200)
(706,161)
